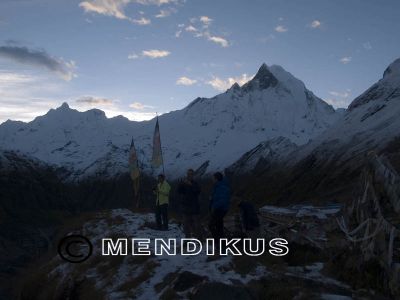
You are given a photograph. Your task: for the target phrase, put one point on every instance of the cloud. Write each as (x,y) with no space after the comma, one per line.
(113,108)
(133,56)
(191,28)
(8,79)
(23,110)
(156,2)
(113,8)
(185,81)
(178,33)
(281,28)
(341,95)
(139,106)
(25,95)
(367,46)
(131,115)
(345,60)
(198,27)
(224,84)
(90,100)
(39,58)
(218,40)
(165,12)
(206,20)
(315,24)
(142,21)
(342,99)
(154,53)
(116,8)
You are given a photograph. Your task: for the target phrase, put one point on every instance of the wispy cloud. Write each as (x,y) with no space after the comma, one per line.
(131,115)
(185,81)
(8,79)
(340,99)
(154,53)
(218,40)
(116,8)
(142,21)
(345,94)
(156,2)
(199,27)
(23,110)
(345,60)
(91,100)
(222,84)
(25,95)
(206,20)
(112,8)
(367,46)
(39,58)
(178,33)
(315,24)
(140,106)
(113,108)
(165,12)
(133,56)
(191,28)
(281,28)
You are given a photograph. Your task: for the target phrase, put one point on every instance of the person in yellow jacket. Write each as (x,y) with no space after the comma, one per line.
(162,200)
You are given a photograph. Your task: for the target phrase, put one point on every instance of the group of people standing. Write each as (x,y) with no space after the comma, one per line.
(189,191)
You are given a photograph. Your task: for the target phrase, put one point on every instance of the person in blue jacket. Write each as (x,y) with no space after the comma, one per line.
(219,206)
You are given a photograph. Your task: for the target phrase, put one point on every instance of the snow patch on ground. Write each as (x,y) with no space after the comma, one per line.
(300,211)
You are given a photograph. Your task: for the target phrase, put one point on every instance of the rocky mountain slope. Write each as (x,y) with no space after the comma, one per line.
(330,164)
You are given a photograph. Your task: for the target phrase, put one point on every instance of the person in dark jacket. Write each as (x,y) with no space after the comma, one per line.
(248,216)
(189,189)
(219,206)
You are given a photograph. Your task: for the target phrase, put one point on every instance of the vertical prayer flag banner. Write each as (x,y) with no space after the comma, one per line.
(157,159)
(133,163)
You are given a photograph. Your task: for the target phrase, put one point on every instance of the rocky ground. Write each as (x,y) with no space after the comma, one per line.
(302,274)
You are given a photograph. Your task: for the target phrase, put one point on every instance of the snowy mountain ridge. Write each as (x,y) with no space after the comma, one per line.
(370,122)
(273,104)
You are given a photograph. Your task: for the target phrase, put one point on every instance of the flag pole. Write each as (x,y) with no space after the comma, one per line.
(162,156)
(139,190)
(134,163)
(138,194)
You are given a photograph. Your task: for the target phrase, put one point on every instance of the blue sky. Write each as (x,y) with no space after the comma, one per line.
(139,57)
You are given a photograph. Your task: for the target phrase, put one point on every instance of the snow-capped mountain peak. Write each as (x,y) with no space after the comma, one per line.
(262,80)
(393,70)
(384,90)
(234,88)
(64,106)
